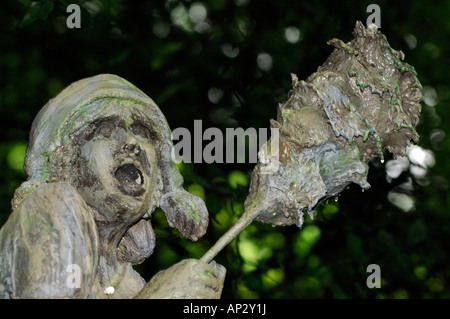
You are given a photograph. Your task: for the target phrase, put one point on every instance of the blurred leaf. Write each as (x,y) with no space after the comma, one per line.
(222,220)
(306,239)
(330,209)
(164,53)
(198,190)
(417,232)
(273,277)
(253,253)
(355,249)
(221,186)
(16,156)
(119,58)
(236,178)
(420,272)
(38,11)
(275,240)
(213,203)
(310,234)
(401,294)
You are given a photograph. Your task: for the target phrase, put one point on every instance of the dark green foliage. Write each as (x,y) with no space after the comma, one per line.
(38,11)
(401,224)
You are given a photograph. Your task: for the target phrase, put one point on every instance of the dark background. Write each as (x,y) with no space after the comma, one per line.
(228,63)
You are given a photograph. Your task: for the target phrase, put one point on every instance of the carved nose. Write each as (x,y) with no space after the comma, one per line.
(132,145)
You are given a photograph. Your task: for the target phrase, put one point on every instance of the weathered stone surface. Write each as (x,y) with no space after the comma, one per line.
(50,230)
(172,283)
(362,100)
(98,164)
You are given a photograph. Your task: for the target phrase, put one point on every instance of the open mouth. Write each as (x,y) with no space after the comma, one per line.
(130,179)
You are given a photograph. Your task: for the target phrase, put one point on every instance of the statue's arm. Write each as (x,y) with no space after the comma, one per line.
(54,245)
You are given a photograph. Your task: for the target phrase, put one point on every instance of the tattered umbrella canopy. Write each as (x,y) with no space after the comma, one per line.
(362,100)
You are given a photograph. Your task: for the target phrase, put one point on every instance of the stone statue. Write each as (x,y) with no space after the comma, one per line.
(98,164)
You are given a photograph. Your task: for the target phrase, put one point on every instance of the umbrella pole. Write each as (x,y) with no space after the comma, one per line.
(246,218)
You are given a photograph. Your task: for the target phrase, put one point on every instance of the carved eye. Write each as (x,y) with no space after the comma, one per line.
(105,128)
(141,130)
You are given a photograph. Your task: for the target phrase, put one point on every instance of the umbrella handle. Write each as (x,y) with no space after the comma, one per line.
(247,217)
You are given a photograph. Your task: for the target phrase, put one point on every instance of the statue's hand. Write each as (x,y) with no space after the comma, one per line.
(190,278)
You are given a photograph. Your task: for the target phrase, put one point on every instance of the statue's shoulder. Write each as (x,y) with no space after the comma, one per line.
(56,207)
(45,236)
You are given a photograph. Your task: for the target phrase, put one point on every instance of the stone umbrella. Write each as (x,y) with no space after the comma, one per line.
(362,100)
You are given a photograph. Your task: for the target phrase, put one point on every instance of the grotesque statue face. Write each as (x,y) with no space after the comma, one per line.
(110,141)
(114,167)
(98,164)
